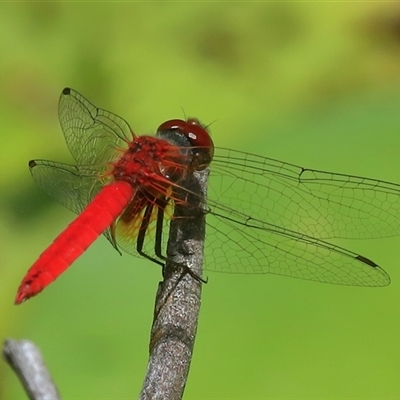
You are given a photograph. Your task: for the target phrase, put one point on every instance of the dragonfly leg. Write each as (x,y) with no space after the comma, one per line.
(142,234)
(161,204)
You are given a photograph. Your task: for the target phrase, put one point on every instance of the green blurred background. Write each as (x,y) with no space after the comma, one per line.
(316,84)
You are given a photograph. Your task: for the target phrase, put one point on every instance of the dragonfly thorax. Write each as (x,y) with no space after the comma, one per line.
(152,162)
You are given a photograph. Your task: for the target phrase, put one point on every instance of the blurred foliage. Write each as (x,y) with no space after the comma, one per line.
(315,84)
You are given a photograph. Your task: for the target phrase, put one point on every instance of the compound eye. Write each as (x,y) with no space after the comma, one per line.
(198,137)
(173,125)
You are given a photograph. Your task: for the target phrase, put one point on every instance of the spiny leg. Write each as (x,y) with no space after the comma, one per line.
(142,234)
(161,205)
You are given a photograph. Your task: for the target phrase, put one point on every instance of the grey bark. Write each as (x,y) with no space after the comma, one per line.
(27,362)
(178,298)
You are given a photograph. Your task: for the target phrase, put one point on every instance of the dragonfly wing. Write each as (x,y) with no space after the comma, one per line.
(73,186)
(248,246)
(318,203)
(93,135)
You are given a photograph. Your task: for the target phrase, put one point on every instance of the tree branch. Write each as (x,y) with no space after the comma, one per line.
(27,362)
(178,297)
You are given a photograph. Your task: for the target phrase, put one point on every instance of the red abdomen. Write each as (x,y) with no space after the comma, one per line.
(75,239)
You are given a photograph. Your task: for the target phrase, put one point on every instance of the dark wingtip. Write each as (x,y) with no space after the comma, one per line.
(367,261)
(32,164)
(66,91)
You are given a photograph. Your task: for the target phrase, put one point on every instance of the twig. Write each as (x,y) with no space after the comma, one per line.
(178,298)
(27,362)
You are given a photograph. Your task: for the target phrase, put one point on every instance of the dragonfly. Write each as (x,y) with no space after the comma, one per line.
(264,216)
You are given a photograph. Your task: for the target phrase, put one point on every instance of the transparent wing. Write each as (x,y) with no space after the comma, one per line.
(74,186)
(267,216)
(244,248)
(321,204)
(93,135)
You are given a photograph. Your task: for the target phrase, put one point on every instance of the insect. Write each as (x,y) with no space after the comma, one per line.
(263,215)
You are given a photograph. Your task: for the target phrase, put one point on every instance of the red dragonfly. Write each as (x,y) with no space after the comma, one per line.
(263,215)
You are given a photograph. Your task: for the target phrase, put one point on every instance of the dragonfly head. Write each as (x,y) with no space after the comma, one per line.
(196,136)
